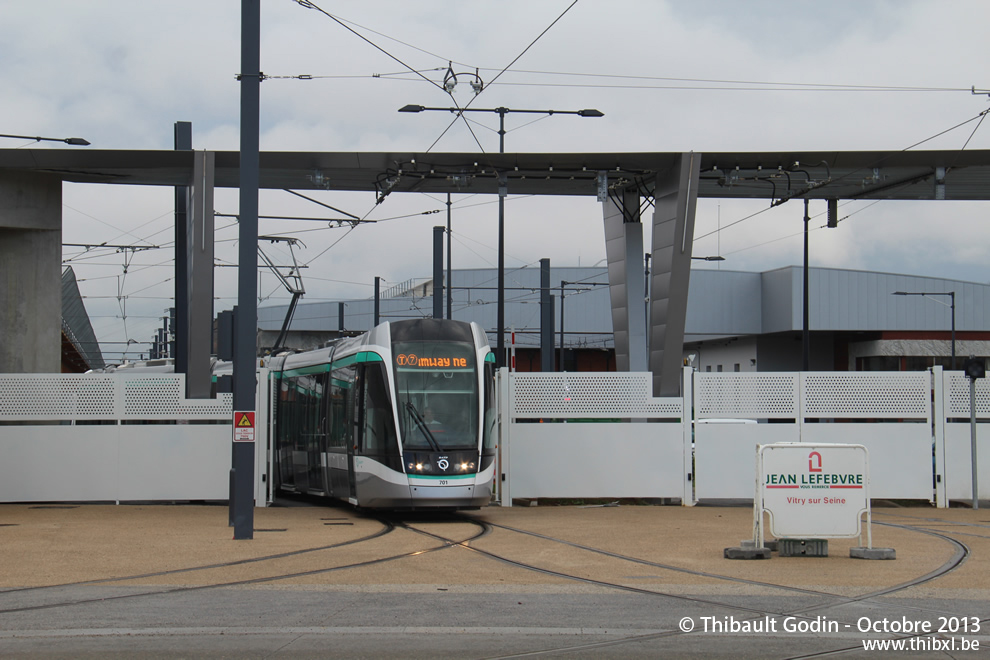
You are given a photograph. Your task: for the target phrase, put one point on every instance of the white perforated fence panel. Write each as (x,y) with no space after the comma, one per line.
(745,395)
(50,456)
(900,453)
(588,395)
(109,397)
(161,397)
(877,395)
(27,397)
(606,436)
(957,396)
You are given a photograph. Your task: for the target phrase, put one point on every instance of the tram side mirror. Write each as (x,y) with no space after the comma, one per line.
(974,368)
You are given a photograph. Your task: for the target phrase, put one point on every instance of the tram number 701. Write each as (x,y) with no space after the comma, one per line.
(442,482)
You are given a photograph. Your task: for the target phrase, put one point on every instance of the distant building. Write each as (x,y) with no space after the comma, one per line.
(736,321)
(80,348)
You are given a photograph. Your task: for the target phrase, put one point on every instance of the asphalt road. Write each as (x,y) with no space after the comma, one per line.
(602,582)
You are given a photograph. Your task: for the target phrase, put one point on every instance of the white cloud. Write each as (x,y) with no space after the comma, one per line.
(120,74)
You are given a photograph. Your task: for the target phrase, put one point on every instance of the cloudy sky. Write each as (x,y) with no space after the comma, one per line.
(669,76)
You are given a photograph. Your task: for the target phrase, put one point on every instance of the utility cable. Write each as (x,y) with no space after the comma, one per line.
(864,168)
(312,5)
(532,43)
(516,59)
(800,233)
(825,86)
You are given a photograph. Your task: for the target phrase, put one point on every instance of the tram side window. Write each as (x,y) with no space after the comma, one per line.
(378,436)
(488,430)
(342,393)
(285,425)
(304,412)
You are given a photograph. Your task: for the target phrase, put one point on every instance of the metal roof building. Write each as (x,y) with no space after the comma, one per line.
(736,321)
(80,348)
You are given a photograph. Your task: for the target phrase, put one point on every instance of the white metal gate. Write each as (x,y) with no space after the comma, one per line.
(590,435)
(118,437)
(953,462)
(888,412)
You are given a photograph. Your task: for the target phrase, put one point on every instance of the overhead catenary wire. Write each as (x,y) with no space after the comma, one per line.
(979,117)
(700,84)
(800,233)
(312,5)
(504,80)
(497,76)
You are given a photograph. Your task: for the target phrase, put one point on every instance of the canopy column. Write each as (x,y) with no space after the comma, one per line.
(676,196)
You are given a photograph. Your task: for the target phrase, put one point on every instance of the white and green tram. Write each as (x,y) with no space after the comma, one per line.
(401,417)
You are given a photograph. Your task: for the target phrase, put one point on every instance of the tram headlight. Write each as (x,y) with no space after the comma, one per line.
(467,466)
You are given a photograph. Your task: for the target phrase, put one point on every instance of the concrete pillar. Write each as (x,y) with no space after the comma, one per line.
(30,273)
(676,195)
(626,279)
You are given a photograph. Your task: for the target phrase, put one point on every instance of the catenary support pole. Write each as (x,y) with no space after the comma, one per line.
(560,367)
(450,284)
(972,443)
(438,272)
(183,142)
(245,347)
(378,299)
(546,318)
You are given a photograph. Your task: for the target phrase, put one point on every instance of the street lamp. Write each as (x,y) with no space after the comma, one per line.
(79,142)
(501,112)
(951,306)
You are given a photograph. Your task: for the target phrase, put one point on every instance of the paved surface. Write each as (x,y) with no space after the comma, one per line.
(622,581)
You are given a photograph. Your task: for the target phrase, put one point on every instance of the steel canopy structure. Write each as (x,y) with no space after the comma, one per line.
(671,181)
(903,175)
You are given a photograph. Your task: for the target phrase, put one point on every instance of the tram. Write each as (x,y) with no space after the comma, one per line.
(401,417)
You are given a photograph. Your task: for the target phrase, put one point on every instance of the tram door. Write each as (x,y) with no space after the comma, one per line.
(340,439)
(354,403)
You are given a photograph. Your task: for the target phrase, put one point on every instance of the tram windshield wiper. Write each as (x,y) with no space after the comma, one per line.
(423,426)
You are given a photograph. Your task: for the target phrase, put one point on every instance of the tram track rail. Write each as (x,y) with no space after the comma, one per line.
(204,567)
(960,555)
(442,541)
(388,527)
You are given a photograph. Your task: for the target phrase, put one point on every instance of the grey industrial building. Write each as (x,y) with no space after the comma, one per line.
(644,337)
(736,321)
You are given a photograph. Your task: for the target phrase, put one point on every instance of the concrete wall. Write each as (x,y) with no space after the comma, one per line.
(30,273)
(727,354)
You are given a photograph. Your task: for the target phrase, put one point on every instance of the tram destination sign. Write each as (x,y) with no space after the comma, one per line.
(813,491)
(413,361)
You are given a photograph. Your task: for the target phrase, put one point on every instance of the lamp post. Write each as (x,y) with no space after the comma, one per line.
(502,191)
(951,306)
(75,141)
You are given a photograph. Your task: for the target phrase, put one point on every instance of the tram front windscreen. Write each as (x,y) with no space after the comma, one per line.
(437,393)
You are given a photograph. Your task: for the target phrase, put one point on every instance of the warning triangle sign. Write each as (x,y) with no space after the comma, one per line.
(245,420)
